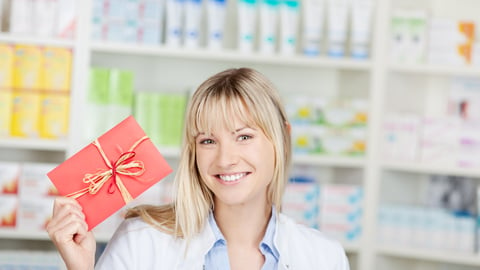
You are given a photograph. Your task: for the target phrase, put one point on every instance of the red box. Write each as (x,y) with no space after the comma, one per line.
(117,143)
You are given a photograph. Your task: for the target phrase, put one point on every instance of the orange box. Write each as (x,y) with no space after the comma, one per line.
(124,145)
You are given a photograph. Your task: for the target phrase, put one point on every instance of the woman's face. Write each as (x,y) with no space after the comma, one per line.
(236,165)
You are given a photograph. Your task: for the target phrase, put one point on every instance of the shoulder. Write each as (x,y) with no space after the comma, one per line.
(309,245)
(134,235)
(138,231)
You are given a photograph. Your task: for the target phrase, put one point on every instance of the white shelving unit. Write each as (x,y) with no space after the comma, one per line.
(162,68)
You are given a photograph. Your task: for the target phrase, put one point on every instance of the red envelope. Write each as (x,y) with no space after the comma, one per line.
(117,145)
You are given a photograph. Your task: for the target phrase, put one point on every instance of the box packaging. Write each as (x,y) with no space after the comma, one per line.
(96,103)
(44,13)
(54,117)
(56,72)
(6,66)
(9,176)
(125,153)
(27,67)
(8,210)
(25,114)
(21,12)
(34,181)
(5,112)
(66,19)
(34,213)
(120,96)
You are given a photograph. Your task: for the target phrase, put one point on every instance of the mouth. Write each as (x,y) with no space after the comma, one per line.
(231,178)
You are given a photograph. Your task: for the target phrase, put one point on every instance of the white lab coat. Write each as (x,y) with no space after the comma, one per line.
(137,245)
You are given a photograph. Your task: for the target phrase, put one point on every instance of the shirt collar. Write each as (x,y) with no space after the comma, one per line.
(267,241)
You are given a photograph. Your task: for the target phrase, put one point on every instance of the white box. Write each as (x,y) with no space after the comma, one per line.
(8,210)
(21,13)
(44,15)
(34,213)
(66,18)
(34,181)
(9,177)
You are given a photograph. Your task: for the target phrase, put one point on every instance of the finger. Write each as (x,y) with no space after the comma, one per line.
(66,227)
(65,236)
(64,213)
(61,202)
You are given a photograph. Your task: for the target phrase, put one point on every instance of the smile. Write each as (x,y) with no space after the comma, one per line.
(232,177)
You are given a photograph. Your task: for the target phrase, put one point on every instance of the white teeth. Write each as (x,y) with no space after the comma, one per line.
(232,177)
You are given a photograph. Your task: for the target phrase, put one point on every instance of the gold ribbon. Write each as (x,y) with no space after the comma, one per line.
(123,165)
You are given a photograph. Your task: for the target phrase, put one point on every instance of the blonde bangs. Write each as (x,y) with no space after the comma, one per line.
(216,112)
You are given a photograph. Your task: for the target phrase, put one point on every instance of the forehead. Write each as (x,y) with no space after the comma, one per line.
(228,113)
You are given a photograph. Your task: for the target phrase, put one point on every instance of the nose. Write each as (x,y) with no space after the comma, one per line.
(227,155)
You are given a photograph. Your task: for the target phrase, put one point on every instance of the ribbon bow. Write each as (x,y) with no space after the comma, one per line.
(123,165)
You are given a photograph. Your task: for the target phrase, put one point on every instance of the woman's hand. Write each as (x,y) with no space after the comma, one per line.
(69,232)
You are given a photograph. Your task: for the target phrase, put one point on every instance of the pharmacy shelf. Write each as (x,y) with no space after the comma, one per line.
(426,69)
(15,234)
(430,169)
(32,40)
(331,161)
(351,247)
(33,144)
(6,233)
(231,56)
(431,255)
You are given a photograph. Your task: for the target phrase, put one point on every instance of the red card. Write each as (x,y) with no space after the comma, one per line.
(69,176)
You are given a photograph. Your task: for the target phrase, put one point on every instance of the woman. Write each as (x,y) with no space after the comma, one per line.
(229,185)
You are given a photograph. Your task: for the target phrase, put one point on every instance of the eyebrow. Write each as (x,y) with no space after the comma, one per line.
(235,131)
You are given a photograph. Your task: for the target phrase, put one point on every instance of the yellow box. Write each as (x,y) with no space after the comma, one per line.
(25,114)
(6,66)
(54,117)
(5,112)
(57,63)
(27,65)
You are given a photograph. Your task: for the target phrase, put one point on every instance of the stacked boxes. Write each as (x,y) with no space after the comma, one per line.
(450,42)
(6,81)
(34,91)
(322,126)
(301,201)
(110,94)
(137,21)
(36,196)
(341,211)
(44,18)
(409,36)
(161,115)
(26,195)
(417,39)
(9,178)
(421,227)
(38,260)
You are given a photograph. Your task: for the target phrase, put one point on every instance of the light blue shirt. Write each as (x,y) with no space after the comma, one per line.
(217,256)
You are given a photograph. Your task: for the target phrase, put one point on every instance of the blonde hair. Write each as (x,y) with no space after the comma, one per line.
(252,97)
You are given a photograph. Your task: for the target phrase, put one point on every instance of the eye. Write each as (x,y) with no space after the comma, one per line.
(207,141)
(244,137)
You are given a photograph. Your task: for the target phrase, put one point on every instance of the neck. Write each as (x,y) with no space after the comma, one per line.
(243,225)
